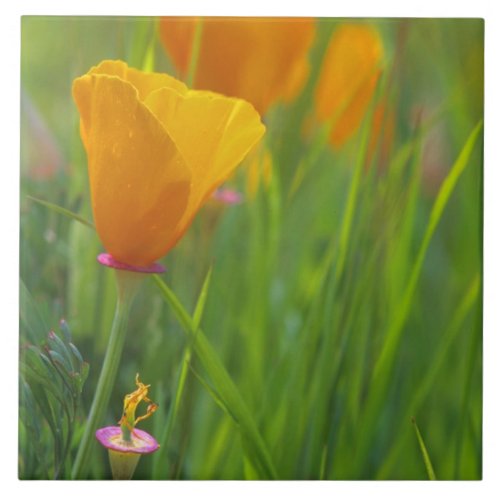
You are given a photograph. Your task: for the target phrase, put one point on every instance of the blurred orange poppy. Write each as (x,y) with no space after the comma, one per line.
(262,60)
(350,70)
(156,152)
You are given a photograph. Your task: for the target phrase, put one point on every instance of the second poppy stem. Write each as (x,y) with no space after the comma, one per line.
(128,283)
(195,52)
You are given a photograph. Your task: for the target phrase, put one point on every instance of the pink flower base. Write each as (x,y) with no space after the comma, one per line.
(142,442)
(107,260)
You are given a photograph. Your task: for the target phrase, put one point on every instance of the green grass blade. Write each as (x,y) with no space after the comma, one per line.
(213,394)
(425,454)
(384,362)
(426,383)
(202,300)
(225,387)
(161,456)
(473,350)
(148,63)
(63,211)
(322,469)
(195,52)
(352,200)
(322,137)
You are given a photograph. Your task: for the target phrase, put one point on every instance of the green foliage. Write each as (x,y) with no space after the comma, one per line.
(52,376)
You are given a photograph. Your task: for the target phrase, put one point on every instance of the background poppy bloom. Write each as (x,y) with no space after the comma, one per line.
(350,70)
(156,151)
(262,60)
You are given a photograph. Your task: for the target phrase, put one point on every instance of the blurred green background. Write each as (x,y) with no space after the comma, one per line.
(334,313)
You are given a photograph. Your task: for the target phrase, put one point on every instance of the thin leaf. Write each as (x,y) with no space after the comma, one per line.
(383,367)
(202,299)
(57,345)
(63,325)
(181,380)
(425,454)
(62,211)
(195,52)
(76,354)
(322,469)
(427,381)
(216,397)
(384,361)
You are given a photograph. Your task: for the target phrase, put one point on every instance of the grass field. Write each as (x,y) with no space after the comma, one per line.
(327,327)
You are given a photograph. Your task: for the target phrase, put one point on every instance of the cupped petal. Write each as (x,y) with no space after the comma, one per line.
(349,74)
(213,134)
(140,182)
(144,82)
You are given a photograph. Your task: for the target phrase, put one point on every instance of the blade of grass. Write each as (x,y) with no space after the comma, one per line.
(326,365)
(322,469)
(352,200)
(425,454)
(202,300)
(148,63)
(213,394)
(426,383)
(142,30)
(181,382)
(253,442)
(321,139)
(195,52)
(384,364)
(474,347)
(63,211)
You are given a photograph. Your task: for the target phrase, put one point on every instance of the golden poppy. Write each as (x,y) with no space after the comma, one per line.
(262,60)
(156,151)
(349,73)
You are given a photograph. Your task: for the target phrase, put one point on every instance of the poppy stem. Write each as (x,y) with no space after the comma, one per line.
(127,284)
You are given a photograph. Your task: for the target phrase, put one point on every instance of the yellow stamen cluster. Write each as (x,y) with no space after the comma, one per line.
(128,420)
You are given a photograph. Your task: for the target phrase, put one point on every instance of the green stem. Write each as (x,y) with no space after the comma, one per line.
(127,283)
(195,53)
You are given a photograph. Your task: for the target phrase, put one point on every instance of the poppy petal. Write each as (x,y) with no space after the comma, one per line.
(140,183)
(348,77)
(144,82)
(212,132)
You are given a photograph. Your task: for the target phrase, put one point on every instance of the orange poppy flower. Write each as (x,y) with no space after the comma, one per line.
(262,60)
(349,74)
(156,152)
